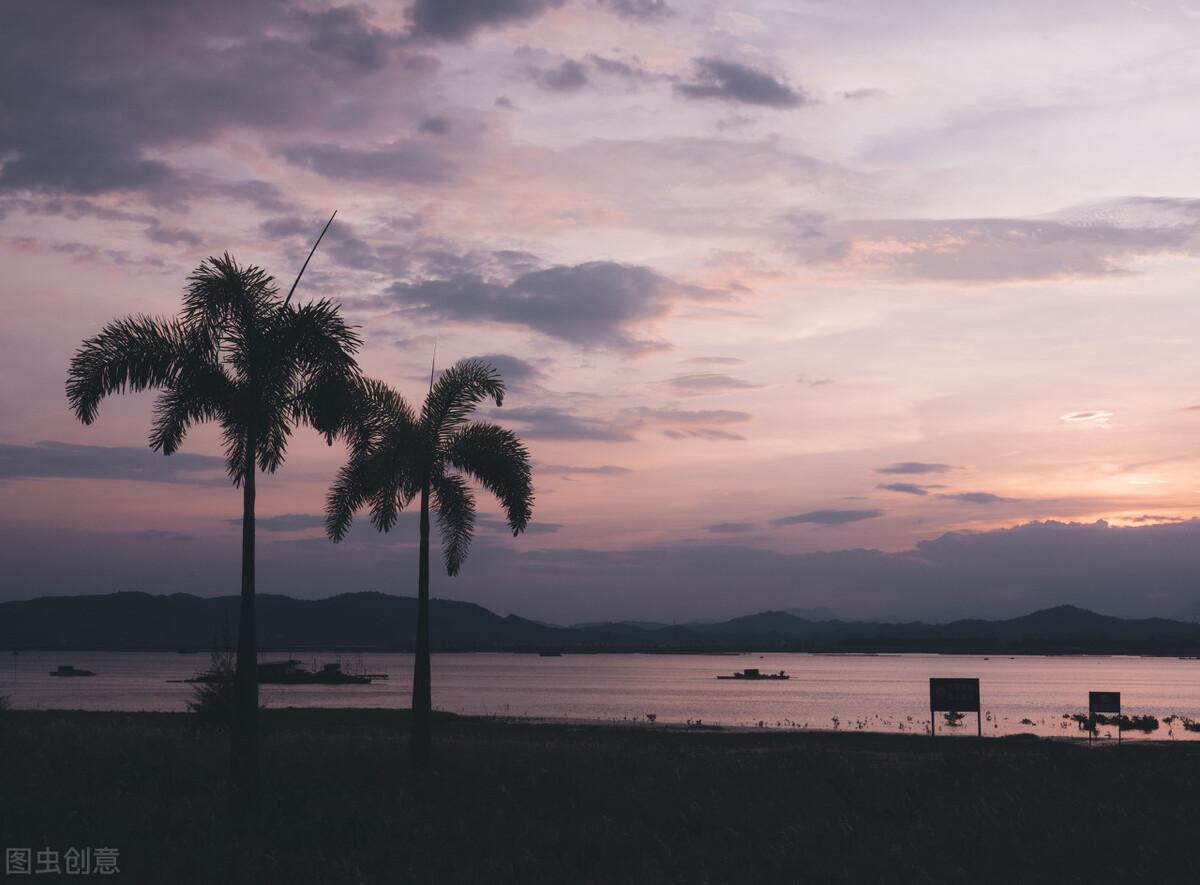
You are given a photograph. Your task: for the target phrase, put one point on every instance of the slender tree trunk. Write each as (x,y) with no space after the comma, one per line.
(245,713)
(422,696)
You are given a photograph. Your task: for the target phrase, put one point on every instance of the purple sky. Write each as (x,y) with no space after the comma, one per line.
(878,307)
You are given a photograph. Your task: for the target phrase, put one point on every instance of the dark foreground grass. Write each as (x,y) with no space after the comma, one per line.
(560,804)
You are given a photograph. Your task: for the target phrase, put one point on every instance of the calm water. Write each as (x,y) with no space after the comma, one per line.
(872,692)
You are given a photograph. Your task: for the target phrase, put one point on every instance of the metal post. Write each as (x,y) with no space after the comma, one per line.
(979,720)
(932,722)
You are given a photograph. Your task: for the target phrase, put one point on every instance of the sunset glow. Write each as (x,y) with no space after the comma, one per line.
(764,281)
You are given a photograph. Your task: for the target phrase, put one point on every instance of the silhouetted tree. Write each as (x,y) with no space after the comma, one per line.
(242,356)
(396,456)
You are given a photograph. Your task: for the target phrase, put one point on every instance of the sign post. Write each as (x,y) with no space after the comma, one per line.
(1103,702)
(955,696)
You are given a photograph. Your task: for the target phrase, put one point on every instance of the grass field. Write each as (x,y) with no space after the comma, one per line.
(528,803)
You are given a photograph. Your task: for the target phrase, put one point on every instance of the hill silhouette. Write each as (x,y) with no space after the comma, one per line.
(134,621)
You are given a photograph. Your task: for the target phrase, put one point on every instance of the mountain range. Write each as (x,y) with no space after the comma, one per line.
(377,621)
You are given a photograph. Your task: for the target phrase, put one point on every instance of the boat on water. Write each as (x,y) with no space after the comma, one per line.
(290,672)
(550,654)
(752,673)
(68,670)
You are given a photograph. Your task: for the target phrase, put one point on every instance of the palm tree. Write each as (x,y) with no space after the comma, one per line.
(396,456)
(242,356)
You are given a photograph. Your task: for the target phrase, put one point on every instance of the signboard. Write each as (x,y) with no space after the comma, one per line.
(957,695)
(1104,701)
(954,696)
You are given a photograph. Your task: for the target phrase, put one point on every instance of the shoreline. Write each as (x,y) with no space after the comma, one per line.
(634,726)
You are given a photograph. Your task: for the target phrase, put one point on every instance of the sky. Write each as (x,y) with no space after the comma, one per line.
(887,309)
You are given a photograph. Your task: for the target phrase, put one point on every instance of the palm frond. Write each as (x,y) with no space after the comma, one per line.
(384,468)
(387,499)
(456,518)
(326,372)
(377,416)
(201,392)
(134,353)
(321,337)
(495,458)
(233,437)
(346,496)
(456,393)
(219,288)
(273,432)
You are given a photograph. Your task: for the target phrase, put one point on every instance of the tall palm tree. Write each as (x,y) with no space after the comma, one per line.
(396,456)
(242,356)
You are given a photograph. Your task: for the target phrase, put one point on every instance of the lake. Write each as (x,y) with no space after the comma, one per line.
(847,692)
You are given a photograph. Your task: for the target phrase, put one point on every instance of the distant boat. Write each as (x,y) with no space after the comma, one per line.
(549,654)
(290,672)
(754,673)
(68,670)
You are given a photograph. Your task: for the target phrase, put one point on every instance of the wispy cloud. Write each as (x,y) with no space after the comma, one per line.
(1094,416)
(915,468)
(731,528)
(980,498)
(50,459)
(736,82)
(828,517)
(907,488)
(702,383)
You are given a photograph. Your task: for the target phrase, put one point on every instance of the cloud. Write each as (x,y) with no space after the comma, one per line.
(568,470)
(457,20)
(591,305)
(516,372)
(1093,417)
(550,423)
(859,94)
(705,424)
(828,517)
(630,71)
(721,361)
(435,125)
(643,10)
(731,528)
(567,76)
(810,381)
(711,434)
(489,524)
(1093,240)
(979,498)
(907,488)
(286,522)
(914,467)
(730,81)
(126,85)
(408,161)
(50,459)
(703,383)
(691,416)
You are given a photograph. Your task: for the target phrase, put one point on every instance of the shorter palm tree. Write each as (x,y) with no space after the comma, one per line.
(396,456)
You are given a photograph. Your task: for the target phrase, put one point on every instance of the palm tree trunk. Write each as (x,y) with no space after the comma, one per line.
(245,713)
(422,696)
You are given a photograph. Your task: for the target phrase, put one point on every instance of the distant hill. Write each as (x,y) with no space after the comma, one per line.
(145,622)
